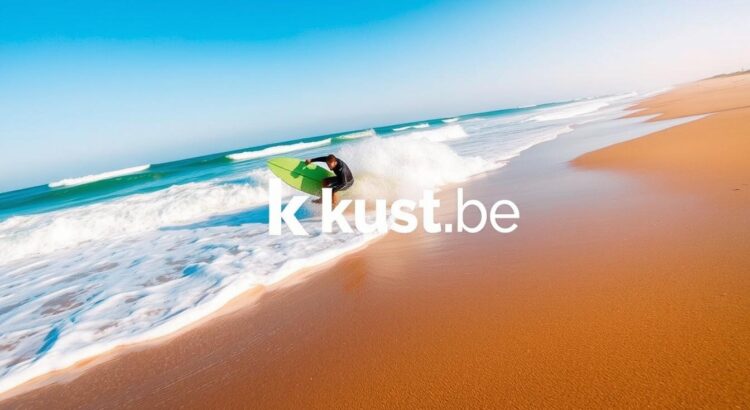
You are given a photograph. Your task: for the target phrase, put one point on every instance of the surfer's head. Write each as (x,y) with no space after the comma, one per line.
(331,161)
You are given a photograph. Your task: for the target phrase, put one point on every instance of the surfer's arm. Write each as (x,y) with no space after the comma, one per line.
(318,159)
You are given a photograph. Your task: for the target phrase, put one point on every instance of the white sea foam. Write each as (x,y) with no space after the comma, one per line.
(450,120)
(393,168)
(277,149)
(570,110)
(68,182)
(513,145)
(23,236)
(89,300)
(656,92)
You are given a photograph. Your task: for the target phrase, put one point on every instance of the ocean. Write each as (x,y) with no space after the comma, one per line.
(95,262)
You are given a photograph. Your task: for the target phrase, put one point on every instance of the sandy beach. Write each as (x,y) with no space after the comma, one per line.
(626,285)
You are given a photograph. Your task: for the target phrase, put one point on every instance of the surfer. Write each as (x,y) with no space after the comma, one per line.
(342,179)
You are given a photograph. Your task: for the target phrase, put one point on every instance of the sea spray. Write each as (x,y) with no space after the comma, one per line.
(393,168)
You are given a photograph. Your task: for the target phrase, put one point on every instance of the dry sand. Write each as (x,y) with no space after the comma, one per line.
(627,284)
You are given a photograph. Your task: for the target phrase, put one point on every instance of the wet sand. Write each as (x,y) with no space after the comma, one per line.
(710,157)
(627,284)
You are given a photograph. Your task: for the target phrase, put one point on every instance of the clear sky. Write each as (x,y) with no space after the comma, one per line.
(92,86)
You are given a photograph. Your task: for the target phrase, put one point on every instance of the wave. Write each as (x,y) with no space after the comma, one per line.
(24,236)
(512,147)
(402,167)
(277,149)
(417,126)
(623,96)
(580,107)
(570,110)
(451,120)
(97,177)
(357,135)
(441,134)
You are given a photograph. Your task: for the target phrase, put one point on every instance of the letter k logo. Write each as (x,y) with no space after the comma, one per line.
(276,214)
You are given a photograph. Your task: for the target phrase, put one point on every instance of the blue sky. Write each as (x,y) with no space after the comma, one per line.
(87,86)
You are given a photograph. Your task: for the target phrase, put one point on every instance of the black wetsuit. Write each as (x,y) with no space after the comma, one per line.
(343,178)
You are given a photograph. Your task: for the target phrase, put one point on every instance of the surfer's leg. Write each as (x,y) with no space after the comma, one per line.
(328,183)
(335,188)
(339,186)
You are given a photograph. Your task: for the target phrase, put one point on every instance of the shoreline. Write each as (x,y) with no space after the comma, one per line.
(244,300)
(440,329)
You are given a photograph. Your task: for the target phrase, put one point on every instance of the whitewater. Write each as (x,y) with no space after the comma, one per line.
(93,263)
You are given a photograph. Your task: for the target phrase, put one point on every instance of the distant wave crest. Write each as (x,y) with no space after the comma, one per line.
(357,135)
(277,149)
(97,177)
(417,126)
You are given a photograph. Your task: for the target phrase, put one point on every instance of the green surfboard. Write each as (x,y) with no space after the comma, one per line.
(298,175)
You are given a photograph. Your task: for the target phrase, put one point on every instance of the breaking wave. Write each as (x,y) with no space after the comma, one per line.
(23,236)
